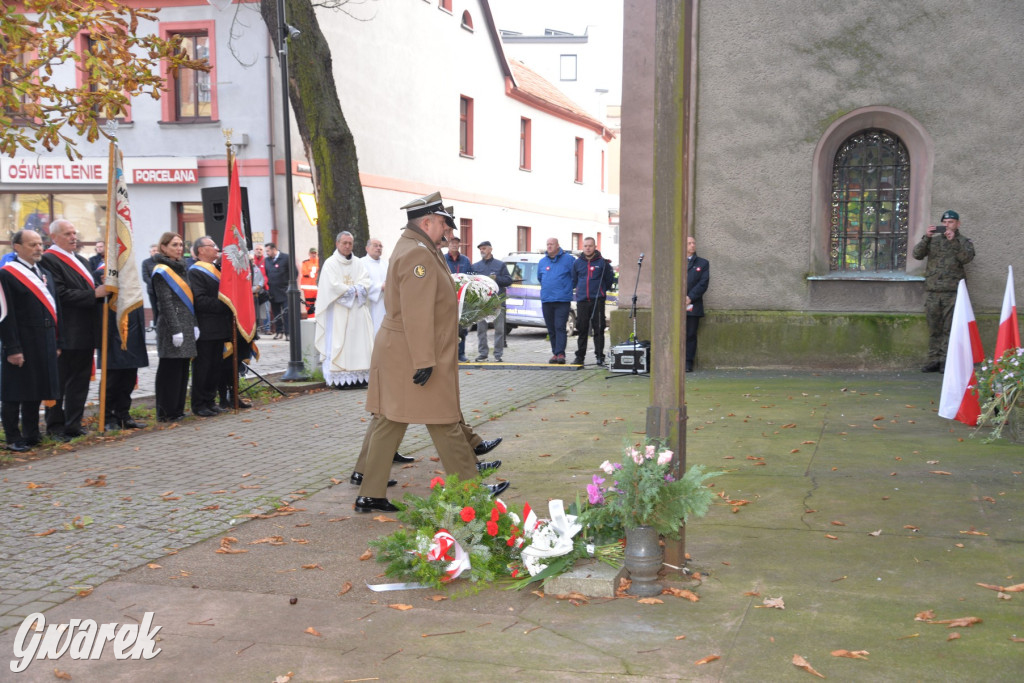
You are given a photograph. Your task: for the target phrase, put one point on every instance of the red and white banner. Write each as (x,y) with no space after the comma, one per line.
(1009,333)
(235,266)
(959,399)
(121,274)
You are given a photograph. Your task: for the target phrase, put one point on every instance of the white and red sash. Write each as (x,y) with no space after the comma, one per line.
(72,261)
(35,285)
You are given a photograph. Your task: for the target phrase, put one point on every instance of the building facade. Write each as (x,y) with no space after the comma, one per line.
(824,142)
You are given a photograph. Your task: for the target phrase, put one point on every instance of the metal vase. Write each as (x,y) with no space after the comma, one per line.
(643,559)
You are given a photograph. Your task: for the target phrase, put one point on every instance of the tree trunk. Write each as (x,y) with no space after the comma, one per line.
(326,137)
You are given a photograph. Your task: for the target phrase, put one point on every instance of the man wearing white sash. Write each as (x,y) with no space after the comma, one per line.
(80,301)
(344,329)
(29,339)
(377,266)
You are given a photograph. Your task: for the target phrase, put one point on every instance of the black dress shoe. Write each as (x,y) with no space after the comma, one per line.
(130,423)
(357,478)
(206,412)
(492,465)
(58,436)
(112,426)
(366,504)
(485,447)
(18,447)
(75,433)
(495,489)
(402,458)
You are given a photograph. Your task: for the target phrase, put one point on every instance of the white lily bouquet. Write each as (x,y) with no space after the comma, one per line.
(478,299)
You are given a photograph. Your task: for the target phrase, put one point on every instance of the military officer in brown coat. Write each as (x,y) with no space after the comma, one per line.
(414,368)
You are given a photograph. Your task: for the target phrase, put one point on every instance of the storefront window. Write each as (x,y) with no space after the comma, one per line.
(37,211)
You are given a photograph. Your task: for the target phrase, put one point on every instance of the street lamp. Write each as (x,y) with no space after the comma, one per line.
(296,369)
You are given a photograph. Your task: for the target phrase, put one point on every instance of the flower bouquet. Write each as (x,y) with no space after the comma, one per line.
(641,491)
(478,299)
(999,384)
(458,530)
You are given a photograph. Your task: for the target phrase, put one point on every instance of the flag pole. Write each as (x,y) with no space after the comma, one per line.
(106,309)
(234,313)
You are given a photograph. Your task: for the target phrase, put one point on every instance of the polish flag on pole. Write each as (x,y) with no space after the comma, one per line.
(1009,333)
(959,399)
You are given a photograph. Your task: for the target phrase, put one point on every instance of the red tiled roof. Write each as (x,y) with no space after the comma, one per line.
(533,86)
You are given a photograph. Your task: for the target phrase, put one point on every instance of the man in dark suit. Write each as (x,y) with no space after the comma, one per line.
(80,301)
(147,277)
(215,320)
(698,272)
(29,337)
(280,273)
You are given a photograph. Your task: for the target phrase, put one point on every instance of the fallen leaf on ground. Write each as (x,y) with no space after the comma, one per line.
(46,533)
(802,663)
(755,594)
(367,554)
(311,566)
(776,603)
(399,606)
(345,588)
(680,637)
(838,523)
(437,598)
(953,636)
(313,632)
(875,533)
(706,660)
(570,596)
(225,546)
(831,537)
(153,565)
(948,474)
(272,540)
(925,615)
(384,518)
(852,654)
(285,678)
(1017,588)
(959,622)
(63,675)
(681,593)
(650,601)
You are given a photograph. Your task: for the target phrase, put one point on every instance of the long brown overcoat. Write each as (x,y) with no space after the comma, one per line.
(420,330)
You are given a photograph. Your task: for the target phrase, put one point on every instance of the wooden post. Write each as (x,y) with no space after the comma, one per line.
(666,414)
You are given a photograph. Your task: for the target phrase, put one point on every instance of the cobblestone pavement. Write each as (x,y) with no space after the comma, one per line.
(74,520)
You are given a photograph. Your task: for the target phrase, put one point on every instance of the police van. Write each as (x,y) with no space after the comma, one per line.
(522,307)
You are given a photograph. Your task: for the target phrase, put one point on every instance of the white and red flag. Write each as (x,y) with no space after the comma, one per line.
(1009,333)
(235,267)
(959,399)
(121,274)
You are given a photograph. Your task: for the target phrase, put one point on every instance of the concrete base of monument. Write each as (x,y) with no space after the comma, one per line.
(592,578)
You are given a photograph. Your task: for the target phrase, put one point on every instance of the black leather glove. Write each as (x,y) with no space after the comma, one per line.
(422,375)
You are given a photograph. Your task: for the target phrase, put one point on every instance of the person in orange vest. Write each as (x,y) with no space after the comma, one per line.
(307,281)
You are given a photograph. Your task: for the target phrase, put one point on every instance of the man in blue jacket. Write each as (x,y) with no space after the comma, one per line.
(698,272)
(554,271)
(496,270)
(592,275)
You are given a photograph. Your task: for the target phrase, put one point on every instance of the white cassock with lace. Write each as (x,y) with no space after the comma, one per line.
(344,329)
(378,270)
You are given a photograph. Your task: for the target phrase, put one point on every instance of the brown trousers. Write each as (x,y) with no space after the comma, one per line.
(457,456)
(472,437)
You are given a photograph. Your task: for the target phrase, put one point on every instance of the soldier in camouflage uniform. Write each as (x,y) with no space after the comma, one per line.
(948,251)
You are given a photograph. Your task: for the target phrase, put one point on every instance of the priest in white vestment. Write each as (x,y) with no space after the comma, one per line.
(377,266)
(344,329)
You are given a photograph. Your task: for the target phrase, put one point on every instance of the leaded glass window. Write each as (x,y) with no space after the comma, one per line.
(870,204)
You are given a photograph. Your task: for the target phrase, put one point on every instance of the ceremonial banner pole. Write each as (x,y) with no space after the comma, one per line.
(106,309)
(234,313)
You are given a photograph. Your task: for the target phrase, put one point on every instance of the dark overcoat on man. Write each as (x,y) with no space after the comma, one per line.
(280,272)
(28,329)
(80,335)
(698,275)
(214,320)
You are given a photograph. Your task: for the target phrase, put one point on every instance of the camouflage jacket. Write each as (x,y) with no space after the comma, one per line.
(946,261)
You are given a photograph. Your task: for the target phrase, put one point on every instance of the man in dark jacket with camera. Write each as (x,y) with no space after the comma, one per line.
(592,275)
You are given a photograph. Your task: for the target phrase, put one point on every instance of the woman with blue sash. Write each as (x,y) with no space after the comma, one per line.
(176,329)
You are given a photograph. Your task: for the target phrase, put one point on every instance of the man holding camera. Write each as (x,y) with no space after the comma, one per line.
(948,251)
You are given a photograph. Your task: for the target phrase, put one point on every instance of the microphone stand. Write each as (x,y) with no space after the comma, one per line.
(632,314)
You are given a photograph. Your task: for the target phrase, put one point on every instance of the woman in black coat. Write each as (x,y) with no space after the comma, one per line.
(175,328)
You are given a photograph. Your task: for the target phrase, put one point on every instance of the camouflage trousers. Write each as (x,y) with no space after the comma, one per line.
(938,310)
